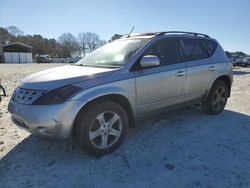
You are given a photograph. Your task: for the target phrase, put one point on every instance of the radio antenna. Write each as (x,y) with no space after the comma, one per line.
(131,32)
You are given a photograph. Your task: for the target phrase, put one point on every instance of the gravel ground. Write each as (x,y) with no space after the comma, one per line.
(185,148)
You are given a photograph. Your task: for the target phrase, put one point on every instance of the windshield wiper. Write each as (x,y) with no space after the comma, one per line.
(108,66)
(76,64)
(98,66)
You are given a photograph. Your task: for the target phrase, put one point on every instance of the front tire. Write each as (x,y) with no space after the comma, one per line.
(101,128)
(216,99)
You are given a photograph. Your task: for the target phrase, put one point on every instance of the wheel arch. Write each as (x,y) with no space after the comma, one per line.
(227,80)
(117,98)
(224,78)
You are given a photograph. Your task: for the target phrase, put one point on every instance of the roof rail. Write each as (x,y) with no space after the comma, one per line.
(165,32)
(181,32)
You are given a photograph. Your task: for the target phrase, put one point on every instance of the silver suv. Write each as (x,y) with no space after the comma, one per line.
(98,98)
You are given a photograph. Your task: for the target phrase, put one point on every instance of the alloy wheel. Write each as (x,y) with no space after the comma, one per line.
(219,98)
(105,130)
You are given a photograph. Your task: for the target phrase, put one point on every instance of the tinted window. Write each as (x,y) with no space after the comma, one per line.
(193,49)
(167,50)
(211,45)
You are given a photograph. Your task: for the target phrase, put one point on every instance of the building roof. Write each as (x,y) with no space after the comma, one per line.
(17,44)
(17,47)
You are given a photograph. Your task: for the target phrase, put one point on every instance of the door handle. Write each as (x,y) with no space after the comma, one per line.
(180,73)
(212,68)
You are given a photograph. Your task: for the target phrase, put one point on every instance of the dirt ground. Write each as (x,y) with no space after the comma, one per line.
(185,148)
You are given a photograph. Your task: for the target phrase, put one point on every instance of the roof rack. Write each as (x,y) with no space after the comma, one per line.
(167,32)
(182,32)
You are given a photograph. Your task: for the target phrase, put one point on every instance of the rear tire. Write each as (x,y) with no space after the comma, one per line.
(216,99)
(101,128)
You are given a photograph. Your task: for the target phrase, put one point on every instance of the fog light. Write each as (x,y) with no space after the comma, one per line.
(44,131)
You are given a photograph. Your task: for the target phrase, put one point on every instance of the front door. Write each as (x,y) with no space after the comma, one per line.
(163,85)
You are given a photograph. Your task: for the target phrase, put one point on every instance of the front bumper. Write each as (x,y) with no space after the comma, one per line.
(46,120)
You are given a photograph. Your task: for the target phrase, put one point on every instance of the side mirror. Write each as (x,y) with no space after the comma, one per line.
(149,61)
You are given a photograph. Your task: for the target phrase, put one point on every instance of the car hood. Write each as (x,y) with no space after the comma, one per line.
(60,76)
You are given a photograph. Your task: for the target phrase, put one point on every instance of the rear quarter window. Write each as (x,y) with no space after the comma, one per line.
(211,45)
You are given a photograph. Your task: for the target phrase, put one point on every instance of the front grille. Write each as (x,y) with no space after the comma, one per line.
(25,96)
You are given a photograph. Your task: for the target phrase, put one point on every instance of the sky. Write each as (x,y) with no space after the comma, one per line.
(228,21)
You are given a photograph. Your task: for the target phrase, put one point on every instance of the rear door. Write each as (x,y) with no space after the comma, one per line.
(199,69)
(161,86)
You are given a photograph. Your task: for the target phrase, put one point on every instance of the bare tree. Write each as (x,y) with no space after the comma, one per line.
(5,37)
(69,44)
(81,37)
(89,42)
(13,30)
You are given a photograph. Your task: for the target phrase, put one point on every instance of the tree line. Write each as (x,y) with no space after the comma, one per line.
(66,45)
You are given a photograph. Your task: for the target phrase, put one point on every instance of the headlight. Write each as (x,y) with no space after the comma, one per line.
(57,96)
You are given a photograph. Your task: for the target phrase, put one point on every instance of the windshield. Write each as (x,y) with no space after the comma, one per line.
(114,54)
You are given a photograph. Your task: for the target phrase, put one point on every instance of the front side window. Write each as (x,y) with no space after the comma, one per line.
(167,50)
(193,49)
(114,54)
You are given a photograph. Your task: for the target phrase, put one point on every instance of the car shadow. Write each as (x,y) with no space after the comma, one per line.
(184,145)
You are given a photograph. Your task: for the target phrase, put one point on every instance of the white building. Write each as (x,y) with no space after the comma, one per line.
(16,53)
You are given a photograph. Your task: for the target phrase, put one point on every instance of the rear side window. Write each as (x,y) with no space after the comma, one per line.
(193,49)
(211,45)
(167,50)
